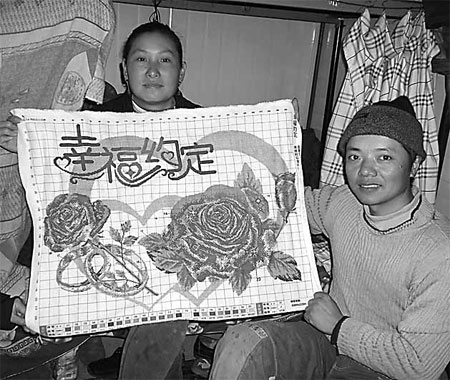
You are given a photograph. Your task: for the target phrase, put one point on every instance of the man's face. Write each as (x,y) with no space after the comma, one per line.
(378,171)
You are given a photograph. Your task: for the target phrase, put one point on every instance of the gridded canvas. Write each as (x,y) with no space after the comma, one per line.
(183,214)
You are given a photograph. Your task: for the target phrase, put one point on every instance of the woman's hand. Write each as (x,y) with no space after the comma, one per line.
(8,133)
(322,312)
(296,108)
(18,314)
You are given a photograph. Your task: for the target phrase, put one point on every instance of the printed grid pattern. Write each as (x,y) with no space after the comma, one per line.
(381,67)
(59,312)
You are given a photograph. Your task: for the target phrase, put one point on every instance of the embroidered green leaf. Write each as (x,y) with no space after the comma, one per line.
(284,267)
(273,225)
(115,234)
(130,240)
(246,178)
(113,249)
(269,240)
(167,261)
(152,241)
(185,279)
(257,202)
(239,281)
(128,252)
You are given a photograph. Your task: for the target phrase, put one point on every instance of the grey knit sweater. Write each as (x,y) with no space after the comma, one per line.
(392,277)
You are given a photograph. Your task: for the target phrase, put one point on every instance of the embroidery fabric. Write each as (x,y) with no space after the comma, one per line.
(185,214)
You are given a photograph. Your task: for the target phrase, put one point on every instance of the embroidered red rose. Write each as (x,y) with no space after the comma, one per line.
(71,219)
(223,233)
(217,231)
(213,235)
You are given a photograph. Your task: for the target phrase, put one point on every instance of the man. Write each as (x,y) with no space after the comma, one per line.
(387,312)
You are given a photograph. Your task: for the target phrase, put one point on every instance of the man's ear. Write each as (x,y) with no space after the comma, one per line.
(415,166)
(182,73)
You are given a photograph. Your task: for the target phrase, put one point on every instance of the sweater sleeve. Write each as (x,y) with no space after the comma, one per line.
(419,348)
(317,204)
(5,314)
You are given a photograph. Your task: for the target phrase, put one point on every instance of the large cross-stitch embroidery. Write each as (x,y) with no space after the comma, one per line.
(183,214)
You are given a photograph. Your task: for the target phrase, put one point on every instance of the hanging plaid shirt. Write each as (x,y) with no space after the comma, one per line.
(383,68)
(364,50)
(409,73)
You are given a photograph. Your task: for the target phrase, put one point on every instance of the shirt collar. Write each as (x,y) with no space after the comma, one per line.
(399,218)
(138,109)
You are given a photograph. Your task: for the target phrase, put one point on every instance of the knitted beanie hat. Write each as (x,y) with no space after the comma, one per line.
(395,119)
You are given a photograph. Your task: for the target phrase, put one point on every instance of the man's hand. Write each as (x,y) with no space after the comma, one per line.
(8,133)
(322,312)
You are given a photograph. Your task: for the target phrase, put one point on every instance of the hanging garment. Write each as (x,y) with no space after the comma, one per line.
(442,198)
(52,55)
(409,73)
(365,50)
(383,68)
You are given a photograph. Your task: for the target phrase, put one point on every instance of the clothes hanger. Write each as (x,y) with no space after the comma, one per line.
(155,15)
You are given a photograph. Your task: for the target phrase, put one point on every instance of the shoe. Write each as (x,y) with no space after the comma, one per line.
(201,367)
(204,347)
(106,367)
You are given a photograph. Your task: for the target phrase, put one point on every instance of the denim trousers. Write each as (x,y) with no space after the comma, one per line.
(276,350)
(154,352)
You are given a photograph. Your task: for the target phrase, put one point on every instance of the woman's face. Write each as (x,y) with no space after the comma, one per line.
(153,71)
(378,171)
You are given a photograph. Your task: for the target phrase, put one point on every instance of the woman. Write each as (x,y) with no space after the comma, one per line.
(152,69)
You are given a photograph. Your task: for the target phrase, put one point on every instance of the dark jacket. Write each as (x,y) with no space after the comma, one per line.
(122,103)
(6,303)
